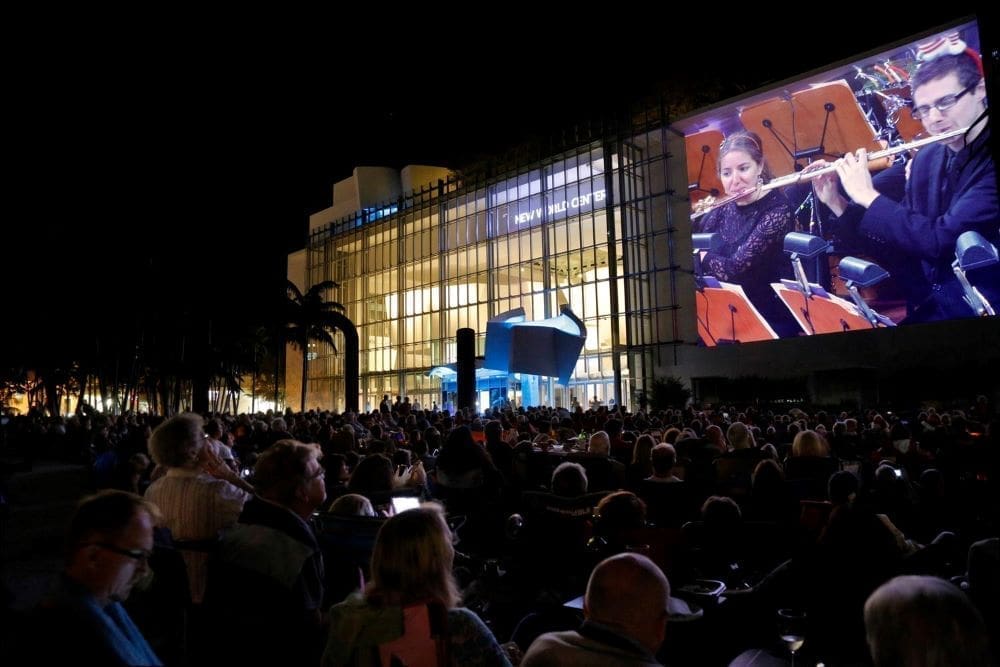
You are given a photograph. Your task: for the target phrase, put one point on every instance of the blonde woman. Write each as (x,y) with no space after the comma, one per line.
(411,566)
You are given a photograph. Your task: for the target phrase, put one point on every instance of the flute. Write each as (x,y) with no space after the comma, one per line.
(802,176)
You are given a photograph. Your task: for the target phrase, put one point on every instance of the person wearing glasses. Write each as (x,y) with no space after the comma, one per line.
(82,621)
(910,217)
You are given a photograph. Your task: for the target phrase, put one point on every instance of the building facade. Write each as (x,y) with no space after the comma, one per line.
(588,227)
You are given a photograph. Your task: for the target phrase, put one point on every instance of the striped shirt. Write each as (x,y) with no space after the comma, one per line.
(196,506)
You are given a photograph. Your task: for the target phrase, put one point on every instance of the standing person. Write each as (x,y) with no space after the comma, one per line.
(949,188)
(753,228)
(411,565)
(82,621)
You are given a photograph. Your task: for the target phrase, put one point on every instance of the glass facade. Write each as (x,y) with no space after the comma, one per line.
(588,228)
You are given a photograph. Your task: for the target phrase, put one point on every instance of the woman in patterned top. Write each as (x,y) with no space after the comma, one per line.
(752,227)
(411,565)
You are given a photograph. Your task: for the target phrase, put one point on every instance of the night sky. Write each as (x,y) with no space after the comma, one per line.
(181,168)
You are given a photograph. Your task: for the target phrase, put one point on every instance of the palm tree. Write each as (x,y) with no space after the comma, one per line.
(311,318)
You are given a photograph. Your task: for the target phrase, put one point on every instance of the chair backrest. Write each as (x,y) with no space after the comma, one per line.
(733,475)
(558,527)
(813,515)
(350,538)
(600,475)
(424,642)
(808,475)
(668,504)
(756,544)
(578,506)
(659,544)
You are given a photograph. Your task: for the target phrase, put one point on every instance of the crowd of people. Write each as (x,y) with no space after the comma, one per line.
(518,512)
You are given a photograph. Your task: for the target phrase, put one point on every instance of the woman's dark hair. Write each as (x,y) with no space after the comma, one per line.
(749,143)
(372,475)
(620,511)
(461,454)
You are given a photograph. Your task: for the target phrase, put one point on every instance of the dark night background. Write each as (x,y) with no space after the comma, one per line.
(173,172)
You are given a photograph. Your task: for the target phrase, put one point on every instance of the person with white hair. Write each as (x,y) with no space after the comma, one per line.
(198,495)
(926,621)
(600,443)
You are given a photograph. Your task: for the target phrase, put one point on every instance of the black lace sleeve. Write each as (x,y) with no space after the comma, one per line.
(765,236)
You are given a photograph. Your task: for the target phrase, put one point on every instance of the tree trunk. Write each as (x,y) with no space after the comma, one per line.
(352,354)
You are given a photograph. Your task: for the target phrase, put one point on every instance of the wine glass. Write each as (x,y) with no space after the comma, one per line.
(792,629)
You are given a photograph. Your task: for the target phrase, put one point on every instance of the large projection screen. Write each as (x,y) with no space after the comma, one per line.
(914,242)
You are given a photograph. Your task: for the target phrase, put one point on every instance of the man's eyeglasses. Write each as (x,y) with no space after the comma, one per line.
(943,104)
(137,554)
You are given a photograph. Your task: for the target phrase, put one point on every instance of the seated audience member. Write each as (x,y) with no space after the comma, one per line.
(809,443)
(82,621)
(338,473)
(617,516)
(197,496)
(352,504)
(621,511)
(664,458)
(411,567)
(919,620)
(500,451)
(599,447)
(599,443)
(715,439)
(641,465)
(569,480)
(741,439)
(373,477)
(771,499)
(267,580)
(347,545)
(625,611)
(721,546)
(465,464)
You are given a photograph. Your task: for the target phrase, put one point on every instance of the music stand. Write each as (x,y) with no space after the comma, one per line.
(726,316)
(821,312)
(855,273)
(702,152)
(973,251)
(824,120)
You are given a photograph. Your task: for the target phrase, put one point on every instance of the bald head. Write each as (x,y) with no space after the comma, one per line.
(919,620)
(629,593)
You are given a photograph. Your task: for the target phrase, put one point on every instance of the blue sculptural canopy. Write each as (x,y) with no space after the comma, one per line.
(548,347)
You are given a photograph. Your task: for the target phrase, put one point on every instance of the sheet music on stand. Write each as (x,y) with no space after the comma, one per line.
(823,313)
(822,121)
(726,316)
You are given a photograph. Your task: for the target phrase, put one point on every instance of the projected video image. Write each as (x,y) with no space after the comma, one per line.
(863,197)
